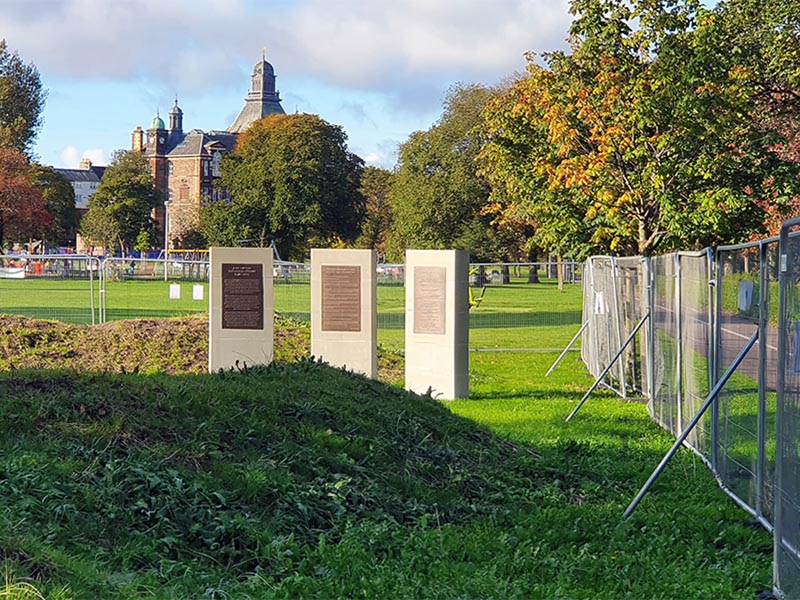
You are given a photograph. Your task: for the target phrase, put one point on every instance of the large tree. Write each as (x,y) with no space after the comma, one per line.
(59,197)
(291,179)
(437,195)
(641,139)
(23,213)
(375,186)
(121,207)
(21,101)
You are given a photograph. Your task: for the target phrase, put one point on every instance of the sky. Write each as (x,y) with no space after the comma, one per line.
(378,69)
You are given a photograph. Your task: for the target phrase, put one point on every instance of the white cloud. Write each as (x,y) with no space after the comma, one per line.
(373,158)
(198,45)
(98,156)
(71,156)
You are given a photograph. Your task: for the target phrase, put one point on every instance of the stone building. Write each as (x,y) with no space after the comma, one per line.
(84,180)
(185,165)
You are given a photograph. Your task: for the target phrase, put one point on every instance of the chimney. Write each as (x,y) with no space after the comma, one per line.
(137,140)
(86,164)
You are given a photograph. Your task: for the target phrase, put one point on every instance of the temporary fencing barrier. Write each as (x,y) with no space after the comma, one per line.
(63,287)
(505,297)
(720,367)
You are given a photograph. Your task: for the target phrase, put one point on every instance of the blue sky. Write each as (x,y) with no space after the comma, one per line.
(378,69)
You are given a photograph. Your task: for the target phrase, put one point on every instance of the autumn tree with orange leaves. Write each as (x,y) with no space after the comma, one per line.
(23,212)
(642,139)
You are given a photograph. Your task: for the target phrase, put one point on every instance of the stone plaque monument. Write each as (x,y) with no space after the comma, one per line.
(240,324)
(344,319)
(437,323)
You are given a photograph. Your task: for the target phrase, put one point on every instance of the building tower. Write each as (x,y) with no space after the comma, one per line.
(176,118)
(261,100)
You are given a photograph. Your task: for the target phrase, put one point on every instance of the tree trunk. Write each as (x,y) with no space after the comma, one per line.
(533,274)
(560,273)
(506,274)
(480,278)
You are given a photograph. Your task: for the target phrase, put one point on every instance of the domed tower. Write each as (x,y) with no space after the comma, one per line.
(155,150)
(156,136)
(261,100)
(176,118)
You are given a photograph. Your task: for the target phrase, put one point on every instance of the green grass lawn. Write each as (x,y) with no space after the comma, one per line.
(302,481)
(516,315)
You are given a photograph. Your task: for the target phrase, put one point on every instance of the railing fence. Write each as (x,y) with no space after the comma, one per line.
(705,307)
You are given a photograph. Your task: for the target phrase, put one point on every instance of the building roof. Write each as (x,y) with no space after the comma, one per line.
(262,99)
(197,142)
(91,175)
(158,123)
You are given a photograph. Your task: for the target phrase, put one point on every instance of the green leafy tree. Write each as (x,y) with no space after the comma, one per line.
(291,179)
(437,194)
(375,186)
(639,140)
(144,241)
(100,227)
(21,101)
(59,197)
(23,213)
(123,203)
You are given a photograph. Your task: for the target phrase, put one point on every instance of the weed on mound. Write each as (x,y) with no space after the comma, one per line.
(122,482)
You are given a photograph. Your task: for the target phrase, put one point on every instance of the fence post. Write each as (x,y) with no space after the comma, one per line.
(679,341)
(717,360)
(763,323)
(620,323)
(651,344)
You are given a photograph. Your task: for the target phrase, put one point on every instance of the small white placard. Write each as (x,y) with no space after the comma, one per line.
(197,292)
(174,291)
(745,295)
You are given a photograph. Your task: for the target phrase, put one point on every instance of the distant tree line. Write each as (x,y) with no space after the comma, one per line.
(665,125)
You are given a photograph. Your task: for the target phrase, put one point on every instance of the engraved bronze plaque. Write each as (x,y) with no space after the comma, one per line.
(242,296)
(341,298)
(429,300)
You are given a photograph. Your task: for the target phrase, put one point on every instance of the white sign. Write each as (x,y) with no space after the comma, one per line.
(174,291)
(197,292)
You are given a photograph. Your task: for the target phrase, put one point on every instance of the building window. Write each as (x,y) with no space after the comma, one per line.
(205,168)
(215,172)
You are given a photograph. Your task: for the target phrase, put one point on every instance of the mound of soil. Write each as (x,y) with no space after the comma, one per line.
(130,346)
(172,346)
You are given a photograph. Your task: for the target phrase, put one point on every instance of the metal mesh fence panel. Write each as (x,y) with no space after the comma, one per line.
(604,334)
(664,403)
(746,406)
(695,314)
(632,285)
(614,302)
(787,484)
(153,289)
(63,287)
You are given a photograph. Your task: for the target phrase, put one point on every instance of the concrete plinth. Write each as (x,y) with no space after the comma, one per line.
(437,323)
(344,315)
(241,303)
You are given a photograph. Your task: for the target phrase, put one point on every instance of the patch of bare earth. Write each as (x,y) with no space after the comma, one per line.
(139,346)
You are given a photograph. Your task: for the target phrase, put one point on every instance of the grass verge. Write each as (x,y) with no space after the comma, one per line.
(298,480)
